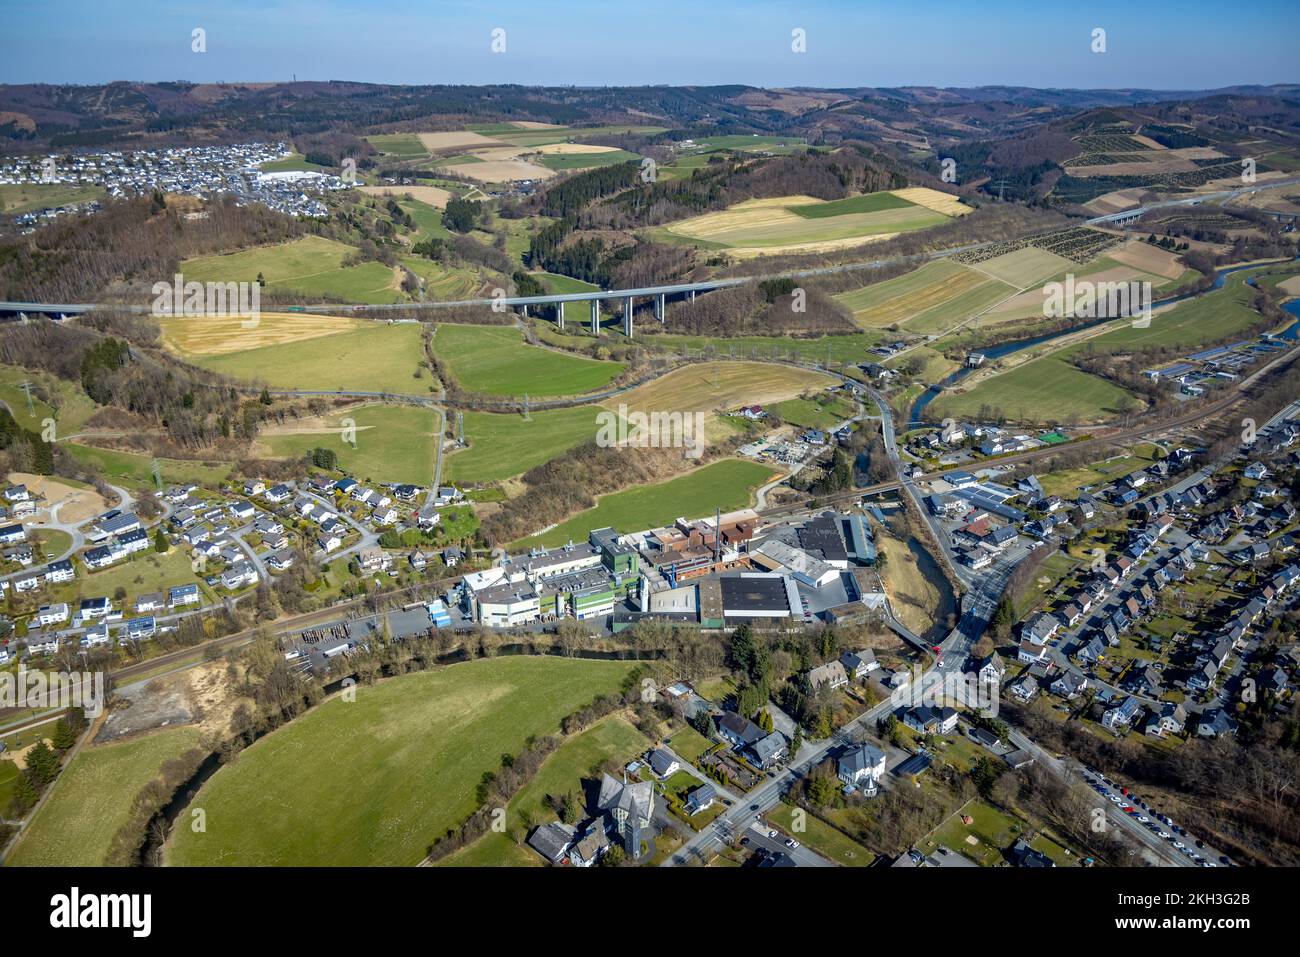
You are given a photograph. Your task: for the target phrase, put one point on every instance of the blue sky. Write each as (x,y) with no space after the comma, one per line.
(1152,43)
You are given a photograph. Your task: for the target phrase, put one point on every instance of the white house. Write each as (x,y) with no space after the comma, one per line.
(862,768)
(52,614)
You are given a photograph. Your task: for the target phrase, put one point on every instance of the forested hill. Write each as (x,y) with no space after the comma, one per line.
(123,113)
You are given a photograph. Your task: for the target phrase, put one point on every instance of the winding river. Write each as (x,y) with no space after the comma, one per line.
(1007,348)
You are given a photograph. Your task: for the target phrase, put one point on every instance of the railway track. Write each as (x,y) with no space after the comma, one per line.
(320,616)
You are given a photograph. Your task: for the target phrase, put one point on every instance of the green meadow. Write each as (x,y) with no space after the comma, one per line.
(312,266)
(727,484)
(394,443)
(496,360)
(503,446)
(92,799)
(373,782)
(374,358)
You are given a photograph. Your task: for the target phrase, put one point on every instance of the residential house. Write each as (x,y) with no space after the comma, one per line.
(737,730)
(832,673)
(927,720)
(1118,718)
(1170,719)
(862,768)
(700,799)
(1213,723)
(663,762)
(182,595)
(992,669)
(769,751)
(859,664)
(1069,684)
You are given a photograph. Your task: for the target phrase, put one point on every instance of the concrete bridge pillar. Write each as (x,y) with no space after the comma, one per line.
(627,317)
(525,308)
(692,295)
(595,317)
(559,314)
(659,308)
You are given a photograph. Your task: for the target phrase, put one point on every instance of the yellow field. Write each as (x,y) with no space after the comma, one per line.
(720,387)
(754,216)
(933,199)
(914,302)
(747,225)
(798,199)
(204,336)
(435,196)
(456,140)
(502,170)
(825,246)
(565,148)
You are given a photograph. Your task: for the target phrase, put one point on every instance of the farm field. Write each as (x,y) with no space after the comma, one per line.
(1192,324)
(136,470)
(580,159)
(295,161)
(502,446)
(935,296)
(727,484)
(374,781)
(204,336)
(496,360)
(774,224)
(500,153)
(434,196)
(612,738)
(372,357)
(92,799)
(1136,262)
(1047,389)
(312,266)
(398,144)
(16,198)
(1025,267)
(533,136)
(393,443)
(823,411)
(711,387)
(935,199)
